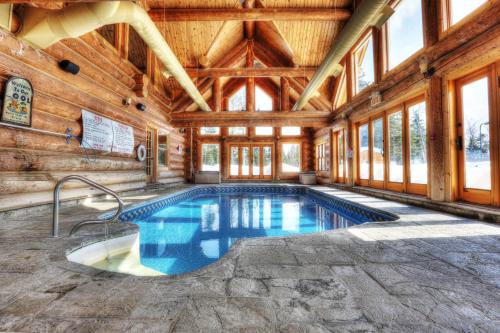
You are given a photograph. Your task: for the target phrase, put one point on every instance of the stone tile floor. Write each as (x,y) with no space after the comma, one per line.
(427,272)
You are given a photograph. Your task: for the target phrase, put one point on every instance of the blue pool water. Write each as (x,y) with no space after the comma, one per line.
(197,231)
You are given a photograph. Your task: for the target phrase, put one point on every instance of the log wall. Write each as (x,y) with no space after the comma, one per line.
(31,163)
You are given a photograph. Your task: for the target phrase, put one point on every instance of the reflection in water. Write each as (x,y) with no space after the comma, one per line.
(196,232)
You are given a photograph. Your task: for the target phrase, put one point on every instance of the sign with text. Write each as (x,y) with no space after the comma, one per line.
(104,134)
(17,101)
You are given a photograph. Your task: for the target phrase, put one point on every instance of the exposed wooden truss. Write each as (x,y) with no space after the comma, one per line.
(250,119)
(250,14)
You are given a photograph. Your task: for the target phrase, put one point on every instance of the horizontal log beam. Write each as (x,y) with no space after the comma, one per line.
(251,72)
(249,14)
(250,119)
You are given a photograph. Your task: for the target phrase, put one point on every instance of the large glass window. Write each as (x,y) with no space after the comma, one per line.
(209,130)
(238,101)
(378,149)
(418,143)
(291,130)
(461,8)
(264,130)
(237,131)
(476,134)
(256,161)
(263,102)
(404,32)
(210,157)
(290,157)
(364,153)
(395,123)
(364,70)
(245,161)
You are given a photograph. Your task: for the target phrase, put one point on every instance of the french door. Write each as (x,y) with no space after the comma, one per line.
(251,161)
(476,137)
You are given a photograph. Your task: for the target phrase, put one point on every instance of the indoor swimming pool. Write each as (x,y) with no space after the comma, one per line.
(187,231)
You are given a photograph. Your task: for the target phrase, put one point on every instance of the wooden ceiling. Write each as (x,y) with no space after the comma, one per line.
(291,43)
(277,43)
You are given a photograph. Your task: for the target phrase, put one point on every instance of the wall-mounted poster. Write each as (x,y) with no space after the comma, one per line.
(123,138)
(97,131)
(104,134)
(17,102)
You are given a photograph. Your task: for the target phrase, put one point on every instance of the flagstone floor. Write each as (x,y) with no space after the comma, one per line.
(429,271)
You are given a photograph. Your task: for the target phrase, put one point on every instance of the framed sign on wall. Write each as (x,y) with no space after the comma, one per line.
(17,101)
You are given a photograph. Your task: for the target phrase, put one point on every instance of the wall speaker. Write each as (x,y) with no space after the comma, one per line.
(69,67)
(140,107)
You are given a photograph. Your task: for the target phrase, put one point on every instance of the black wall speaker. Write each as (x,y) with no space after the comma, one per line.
(140,107)
(69,67)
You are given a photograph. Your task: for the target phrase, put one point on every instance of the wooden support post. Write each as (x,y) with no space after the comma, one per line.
(217,95)
(285,94)
(430,21)
(121,39)
(250,85)
(436,142)
(249,25)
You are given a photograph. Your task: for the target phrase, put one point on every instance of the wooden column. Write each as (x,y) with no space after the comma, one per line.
(217,95)
(430,20)
(285,94)
(436,142)
(250,84)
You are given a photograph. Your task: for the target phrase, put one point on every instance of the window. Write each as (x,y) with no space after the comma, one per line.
(290,157)
(404,32)
(237,131)
(364,153)
(364,70)
(238,101)
(395,124)
(341,92)
(210,157)
(459,9)
(162,150)
(264,130)
(209,130)
(321,153)
(234,169)
(291,131)
(263,102)
(378,149)
(418,143)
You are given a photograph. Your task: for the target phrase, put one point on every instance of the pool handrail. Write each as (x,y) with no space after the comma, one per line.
(55,208)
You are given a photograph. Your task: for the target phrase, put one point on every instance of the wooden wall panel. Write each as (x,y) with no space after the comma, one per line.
(31,162)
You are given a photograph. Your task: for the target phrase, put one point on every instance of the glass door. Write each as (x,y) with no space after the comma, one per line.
(247,161)
(473,138)
(377,153)
(395,161)
(417,147)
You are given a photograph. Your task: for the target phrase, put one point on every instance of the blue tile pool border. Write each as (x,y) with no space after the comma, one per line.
(356,210)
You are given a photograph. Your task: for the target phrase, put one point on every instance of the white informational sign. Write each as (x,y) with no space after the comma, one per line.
(97,132)
(104,134)
(123,138)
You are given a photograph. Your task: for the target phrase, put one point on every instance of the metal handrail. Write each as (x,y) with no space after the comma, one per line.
(55,211)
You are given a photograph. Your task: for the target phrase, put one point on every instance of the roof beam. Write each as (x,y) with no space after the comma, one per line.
(249,14)
(250,119)
(251,72)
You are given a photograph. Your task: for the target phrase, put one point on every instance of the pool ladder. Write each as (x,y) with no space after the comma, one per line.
(55,209)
